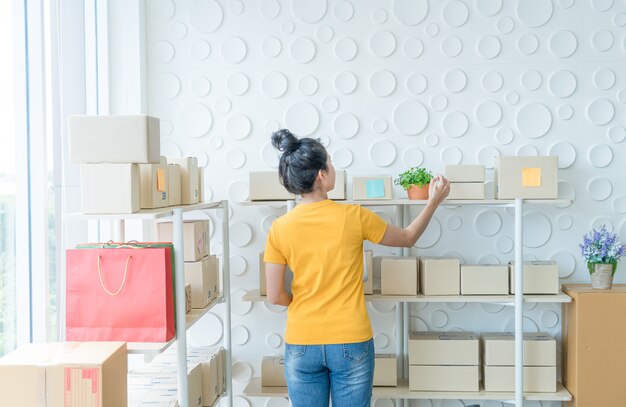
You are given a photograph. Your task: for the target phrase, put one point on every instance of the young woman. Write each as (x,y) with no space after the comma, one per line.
(329,350)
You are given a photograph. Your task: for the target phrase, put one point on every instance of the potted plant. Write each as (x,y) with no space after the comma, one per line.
(415,181)
(602,251)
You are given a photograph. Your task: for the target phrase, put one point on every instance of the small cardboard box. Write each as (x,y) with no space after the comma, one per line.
(467,190)
(540,277)
(499,349)
(398,276)
(188,179)
(200,184)
(214,272)
(114,139)
(273,371)
(263,282)
(187,298)
(385,370)
(526,177)
(443,378)
(368,272)
(339,192)
(443,348)
(154,184)
(210,379)
(197,273)
(110,188)
(440,275)
(465,173)
(266,186)
(195,237)
(372,188)
(173,187)
(541,379)
(484,279)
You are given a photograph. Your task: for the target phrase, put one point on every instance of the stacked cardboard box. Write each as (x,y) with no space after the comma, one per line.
(540,277)
(466,181)
(526,177)
(482,279)
(440,275)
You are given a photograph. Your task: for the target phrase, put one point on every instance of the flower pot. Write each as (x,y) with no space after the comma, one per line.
(601,275)
(417,192)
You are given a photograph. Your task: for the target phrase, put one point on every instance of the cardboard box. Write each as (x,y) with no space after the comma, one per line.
(465,173)
(467,190)
(526,177)
(443,348)
(187,297)
(210,385)
(398,276)
(385,370)
(263,282)
(499,349)
(110,188)
(483,279)
(188,179)
(114,139)
(372,188)
(339,192)
(273,371)
(173,187)
(154,180)
(540,379)
(540,277)
(214,272)
(197,274)
(89,374)
(195,237)
(443,378)
(440,275)
(168,378)
(368,272)
(200,184)
(594,345)
(266,186)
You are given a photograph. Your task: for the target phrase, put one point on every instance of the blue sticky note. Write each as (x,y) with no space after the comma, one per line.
(375,188)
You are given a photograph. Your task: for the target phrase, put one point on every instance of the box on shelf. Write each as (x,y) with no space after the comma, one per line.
(187,298)
(484,279)
(167,380)
(214,273)
(465,173)
(499,349)
(154,179)
(540,277)
(263,282)
(89,374)
(210,379)
(443,348)
(541,379)
(372,188)
(198,274)
(339,192)
(385,370)
(368,267)
(467,190)
(195,237)
(200,184)
(443,378)
(526,177)
(173,187)
(110,188)
(440,275)
(114,139)
(188,179)
(273,371)
(399,276)
(266,186)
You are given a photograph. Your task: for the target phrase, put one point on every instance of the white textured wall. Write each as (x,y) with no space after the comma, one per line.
(387,85)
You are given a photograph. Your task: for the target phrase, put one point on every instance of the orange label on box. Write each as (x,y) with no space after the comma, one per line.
(160,180)
(531,177)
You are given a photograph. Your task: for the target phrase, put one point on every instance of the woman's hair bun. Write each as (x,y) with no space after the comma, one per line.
(285,141)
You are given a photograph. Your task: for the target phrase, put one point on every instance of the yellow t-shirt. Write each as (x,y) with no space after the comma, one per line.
(322,242)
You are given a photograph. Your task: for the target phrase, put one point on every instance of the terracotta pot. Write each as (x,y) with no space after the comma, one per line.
(418,193)
(602,275)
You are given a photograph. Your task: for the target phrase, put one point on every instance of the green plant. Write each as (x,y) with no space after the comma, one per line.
(601,246)
(413,176)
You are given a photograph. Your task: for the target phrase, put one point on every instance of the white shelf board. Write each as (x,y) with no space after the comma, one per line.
(254,389)
(254,295)
(446,203)
(145,214)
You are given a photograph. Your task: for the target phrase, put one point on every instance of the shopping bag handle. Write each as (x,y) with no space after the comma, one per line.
(123,281)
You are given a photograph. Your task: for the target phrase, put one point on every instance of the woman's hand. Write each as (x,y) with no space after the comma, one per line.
(438,190)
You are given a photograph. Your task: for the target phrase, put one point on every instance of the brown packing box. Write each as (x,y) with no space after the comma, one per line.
(467,190)
(188,179)
(262,281)
(167,380)
(89,374)
(368,265)
(372,188)
(594,345)
(465,173)
(526,177)
(210,380)
(540,277)
(339,192)
(187,297)
(440,275)
(200,184)
(195,237)
(443,348)
(443,378)
(173,186)
(483,279)
(273,371)
(385,370)
(154,180)
(398,276)
(266,186)
(214,272)
(499,349)
(540,379)
(198,274)
(110,188)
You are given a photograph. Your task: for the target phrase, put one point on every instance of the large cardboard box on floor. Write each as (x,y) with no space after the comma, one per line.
(399,276)
(526,177)
(114,139)
(173,186)
(368,272)
(372,188)
(202,275)
(195,238)
(484,279)
(443,348)
(89,374)
(263,281)
(273,371)
(154,184)
(540,379)
(465,173)
(443,378)
(341,180)
(188,179)
(440,275)
(110,188)
(385,370)
(266,186)
(594,345)
(540,277)
(499,349)
(467,190)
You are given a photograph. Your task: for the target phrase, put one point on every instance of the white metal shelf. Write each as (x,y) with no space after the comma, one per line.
(145,214)
(446,203)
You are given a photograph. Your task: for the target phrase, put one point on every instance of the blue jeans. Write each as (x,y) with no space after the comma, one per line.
(344,372)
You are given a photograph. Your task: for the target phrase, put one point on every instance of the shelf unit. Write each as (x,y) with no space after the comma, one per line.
(517,300)
(183,320)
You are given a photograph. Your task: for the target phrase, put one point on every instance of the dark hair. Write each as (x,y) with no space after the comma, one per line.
(300,161)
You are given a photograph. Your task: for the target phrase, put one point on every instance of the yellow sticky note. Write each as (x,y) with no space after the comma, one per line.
(160,180)
(531,177)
